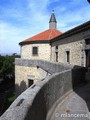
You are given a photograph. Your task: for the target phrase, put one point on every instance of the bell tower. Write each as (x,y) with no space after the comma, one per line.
(52,22)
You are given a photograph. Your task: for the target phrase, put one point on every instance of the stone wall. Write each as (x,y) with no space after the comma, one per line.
(44,51)
(35,70)
(75,44)
(50,67)
(75,50)
(38,101)
(22,74)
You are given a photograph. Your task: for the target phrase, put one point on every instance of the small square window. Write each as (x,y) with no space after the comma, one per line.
(30,82)
(35,51)
(56,47)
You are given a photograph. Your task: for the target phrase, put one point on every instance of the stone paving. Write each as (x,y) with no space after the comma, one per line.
(76,106)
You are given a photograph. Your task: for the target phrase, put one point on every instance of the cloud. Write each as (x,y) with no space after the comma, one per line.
(10,36)
(21,19)
(70,18)
(38,11)
(16,26)
(39,5)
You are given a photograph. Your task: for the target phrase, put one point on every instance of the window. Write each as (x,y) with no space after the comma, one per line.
(87,41)
(68,56)
(35,51)
(56,56)
(56,47)
(30,82)
(56,51)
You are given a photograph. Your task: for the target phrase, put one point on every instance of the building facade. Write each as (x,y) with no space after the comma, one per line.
(37,47)
(71,47)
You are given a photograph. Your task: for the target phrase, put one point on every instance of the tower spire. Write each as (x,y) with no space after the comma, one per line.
(52,22)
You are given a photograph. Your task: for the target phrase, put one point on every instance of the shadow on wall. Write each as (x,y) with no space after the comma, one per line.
(78,76)
(55,88)
(38,109)
(84,93)
(39,101)
(78,81)
(20,88)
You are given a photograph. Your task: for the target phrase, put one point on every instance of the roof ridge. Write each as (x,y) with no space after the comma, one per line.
(50,34)
(55,32)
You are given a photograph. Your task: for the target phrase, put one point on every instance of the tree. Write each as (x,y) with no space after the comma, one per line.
(7,64)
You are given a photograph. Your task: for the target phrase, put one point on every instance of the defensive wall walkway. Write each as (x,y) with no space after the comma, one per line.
(76,106)
(42,100)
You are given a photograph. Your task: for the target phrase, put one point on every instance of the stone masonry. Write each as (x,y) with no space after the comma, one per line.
(75,44)
(44,51)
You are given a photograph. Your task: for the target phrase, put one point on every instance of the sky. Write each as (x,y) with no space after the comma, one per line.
(21,19)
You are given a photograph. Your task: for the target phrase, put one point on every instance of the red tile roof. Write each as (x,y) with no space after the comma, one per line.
(46,35)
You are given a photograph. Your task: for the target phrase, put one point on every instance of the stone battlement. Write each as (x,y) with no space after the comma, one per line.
(51,67)
(39,101)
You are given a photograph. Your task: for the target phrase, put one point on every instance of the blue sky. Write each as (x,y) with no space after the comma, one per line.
(20,19)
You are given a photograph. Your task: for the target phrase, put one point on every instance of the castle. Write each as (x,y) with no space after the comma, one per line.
(56,63)
(71,47)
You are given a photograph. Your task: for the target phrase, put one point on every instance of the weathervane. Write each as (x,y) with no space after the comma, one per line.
(52,11)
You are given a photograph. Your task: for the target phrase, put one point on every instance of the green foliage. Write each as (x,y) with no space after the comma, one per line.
(9,100)
(7,64)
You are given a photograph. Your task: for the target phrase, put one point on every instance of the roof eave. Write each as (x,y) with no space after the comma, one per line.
(72,31)
(34,42)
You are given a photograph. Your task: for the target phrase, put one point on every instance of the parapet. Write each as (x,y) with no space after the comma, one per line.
(36,103)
